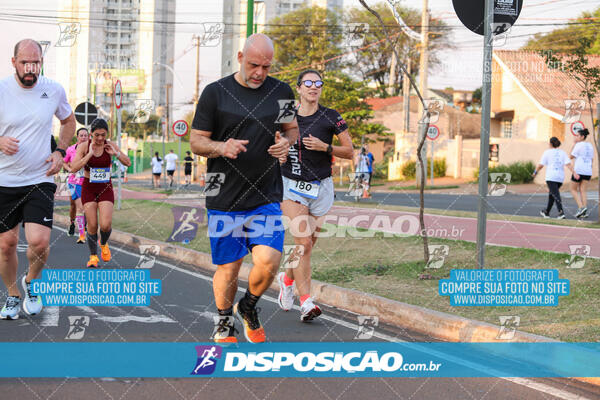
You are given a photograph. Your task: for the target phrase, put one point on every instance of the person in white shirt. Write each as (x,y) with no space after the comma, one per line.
(157,163)
(583,154)
(171,160)
(28,102)
(555,160)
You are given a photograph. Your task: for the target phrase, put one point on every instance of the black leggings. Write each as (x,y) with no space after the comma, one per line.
(553,196)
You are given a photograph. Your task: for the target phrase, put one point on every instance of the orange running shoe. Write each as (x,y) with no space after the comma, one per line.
(253,330)
(93,263)
(81,239)
(105,253)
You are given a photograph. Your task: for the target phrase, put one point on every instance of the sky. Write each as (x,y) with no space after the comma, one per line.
(460,68)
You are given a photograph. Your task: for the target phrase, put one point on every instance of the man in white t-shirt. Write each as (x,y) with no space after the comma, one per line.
(171,160)
(28,102)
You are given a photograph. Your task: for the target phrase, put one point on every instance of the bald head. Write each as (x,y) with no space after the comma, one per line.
(259,43)
(255,60)
(27,61)
(27,43)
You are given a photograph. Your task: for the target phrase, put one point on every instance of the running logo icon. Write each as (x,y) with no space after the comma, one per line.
(186,223)
(573,110)
(579,253)
(500,31)
(214,181)
(508,326)
(143,109)
(432,110)
(366,326)
(499,182)
(68,34)
(148,254)
(213,32)
(291,255)
(77,325)
(437,255)
(287,111)
(207,359)
(355,33)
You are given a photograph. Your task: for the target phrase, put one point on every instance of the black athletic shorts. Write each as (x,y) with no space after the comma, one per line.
(156,173)
(581,177)
(33,203)
(170,172)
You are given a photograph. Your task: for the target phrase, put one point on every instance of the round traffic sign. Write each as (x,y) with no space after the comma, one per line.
(471,14)
(180,127)
(433,132)
(576,127)
(118,94)
(85,113)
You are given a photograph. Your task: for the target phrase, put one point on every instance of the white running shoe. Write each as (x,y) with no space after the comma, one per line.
(11,308)
(286,293)
(32,304)
(309,310)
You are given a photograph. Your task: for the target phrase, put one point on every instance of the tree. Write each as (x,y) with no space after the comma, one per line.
(568,40)
(576,66)
(305,37)
(139,131)
(374,63)
(477,96)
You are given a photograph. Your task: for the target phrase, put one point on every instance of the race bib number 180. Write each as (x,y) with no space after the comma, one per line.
(99,175)
(305,189)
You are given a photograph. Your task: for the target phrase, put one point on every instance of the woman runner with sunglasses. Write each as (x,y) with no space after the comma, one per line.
(308,187)
(97,192)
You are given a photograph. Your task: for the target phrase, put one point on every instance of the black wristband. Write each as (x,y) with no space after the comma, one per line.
(61,151)
(329,149)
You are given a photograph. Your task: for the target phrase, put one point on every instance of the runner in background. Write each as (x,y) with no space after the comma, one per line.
(97,196)
(371,160)
(308,190)
(74,183)
(362,168)
(171,160)
(583,154)
(157,163)
(555,160)
(188,168)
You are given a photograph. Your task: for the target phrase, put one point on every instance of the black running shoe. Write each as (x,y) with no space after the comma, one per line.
(253,330)
(72,229)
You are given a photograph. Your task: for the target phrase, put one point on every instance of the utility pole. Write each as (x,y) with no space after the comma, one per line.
(393,75)
(196,40)
(250,18)
(423,78)
(406,97)
(166,131)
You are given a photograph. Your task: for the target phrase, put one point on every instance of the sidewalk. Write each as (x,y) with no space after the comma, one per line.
(553,238)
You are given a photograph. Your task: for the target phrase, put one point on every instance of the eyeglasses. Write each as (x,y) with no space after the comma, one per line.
(309,83)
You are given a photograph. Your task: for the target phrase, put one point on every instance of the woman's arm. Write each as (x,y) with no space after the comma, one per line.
(81,157)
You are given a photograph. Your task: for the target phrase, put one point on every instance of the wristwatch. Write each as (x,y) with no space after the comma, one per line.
(61,151)
(329,149)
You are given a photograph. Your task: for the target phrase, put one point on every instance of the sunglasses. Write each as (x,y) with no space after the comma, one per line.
(309,83)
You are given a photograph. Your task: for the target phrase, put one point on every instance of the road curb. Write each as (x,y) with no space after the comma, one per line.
(437,324)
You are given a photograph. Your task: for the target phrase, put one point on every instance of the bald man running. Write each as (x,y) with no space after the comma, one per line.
(27,103)
(238,126)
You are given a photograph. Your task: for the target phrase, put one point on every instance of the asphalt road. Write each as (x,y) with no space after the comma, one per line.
(508,204)
(183,313)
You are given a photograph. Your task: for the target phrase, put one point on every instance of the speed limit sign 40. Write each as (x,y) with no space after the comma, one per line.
(180,127)
(433,132)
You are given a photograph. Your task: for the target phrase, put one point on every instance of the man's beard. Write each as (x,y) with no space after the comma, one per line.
(27,83)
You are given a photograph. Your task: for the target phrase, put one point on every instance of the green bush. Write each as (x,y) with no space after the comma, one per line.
(520,172)
(439,168)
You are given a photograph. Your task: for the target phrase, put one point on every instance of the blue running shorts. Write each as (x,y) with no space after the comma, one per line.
(234,233)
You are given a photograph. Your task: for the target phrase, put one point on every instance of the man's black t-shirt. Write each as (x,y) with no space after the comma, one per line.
(230,110)
(309,165)
(188,164)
